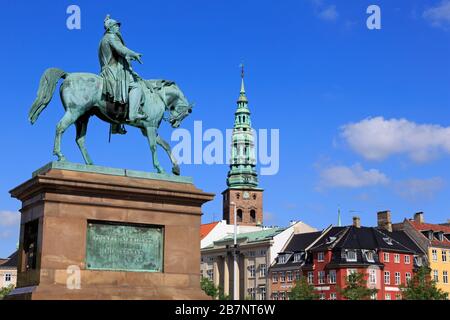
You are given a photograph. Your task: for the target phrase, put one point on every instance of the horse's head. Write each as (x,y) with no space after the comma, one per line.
(177,105)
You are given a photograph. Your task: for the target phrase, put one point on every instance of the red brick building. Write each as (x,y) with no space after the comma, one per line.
(387,259)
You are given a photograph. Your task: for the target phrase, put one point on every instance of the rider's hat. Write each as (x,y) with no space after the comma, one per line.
(108,23)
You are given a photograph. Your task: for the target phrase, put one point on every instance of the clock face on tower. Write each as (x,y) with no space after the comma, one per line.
(246,195)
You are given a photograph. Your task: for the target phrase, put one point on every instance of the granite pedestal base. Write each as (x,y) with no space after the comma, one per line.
(60,201)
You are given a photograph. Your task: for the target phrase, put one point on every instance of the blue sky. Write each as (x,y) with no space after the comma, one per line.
(364,115)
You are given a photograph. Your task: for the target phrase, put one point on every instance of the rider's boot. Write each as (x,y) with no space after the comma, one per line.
(134,104)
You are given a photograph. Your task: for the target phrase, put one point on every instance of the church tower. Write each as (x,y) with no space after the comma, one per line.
(242,180)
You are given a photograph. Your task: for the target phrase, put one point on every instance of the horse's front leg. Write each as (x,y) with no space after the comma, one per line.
(163,143)
(151,136)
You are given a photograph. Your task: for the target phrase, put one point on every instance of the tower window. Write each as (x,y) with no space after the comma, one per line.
(238,195)
(254,196)
(252,215)
(243,118)
(239,215)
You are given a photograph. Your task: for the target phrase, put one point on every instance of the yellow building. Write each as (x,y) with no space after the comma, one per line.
(434,240)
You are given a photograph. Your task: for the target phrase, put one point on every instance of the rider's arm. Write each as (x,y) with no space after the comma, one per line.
(123,51)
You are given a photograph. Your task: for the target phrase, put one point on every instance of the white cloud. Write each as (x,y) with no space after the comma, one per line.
(328,13)
(439,16)
(417,189)
(377,139)
(9,218)
(324,11)
(350,177)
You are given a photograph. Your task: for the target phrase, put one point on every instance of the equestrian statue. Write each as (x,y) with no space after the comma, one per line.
(118,96)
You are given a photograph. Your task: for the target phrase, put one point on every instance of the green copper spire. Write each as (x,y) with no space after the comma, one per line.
(242,172)
(339,217)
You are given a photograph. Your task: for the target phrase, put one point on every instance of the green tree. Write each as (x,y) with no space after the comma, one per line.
(209,287)
(303,291)
(422,287)
(5,291)
(356,287)
(211,290)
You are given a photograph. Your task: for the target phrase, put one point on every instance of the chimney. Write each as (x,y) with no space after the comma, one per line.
(418,217)
(384,220)
(357,222)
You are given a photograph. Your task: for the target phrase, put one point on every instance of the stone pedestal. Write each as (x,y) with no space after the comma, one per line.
(62,200)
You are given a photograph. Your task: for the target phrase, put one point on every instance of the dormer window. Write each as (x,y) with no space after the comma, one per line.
(439,235)
(388,241)
(428,234)
(331,240)
(351,256)
(369,256)
(297,257)
(282,258)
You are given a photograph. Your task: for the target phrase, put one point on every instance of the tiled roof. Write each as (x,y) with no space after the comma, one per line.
(301,241)
(366,238)
(435,228)
(429,226)
(11,262)
(205,229)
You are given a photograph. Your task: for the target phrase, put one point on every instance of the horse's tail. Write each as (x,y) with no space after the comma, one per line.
(45,92)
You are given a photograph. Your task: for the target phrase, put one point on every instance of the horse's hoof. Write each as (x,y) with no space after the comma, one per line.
(176,170)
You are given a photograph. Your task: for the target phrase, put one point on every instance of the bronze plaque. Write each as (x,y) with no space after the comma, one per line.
(124,247)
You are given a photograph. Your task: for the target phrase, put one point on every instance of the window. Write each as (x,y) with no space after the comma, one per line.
(436,275)
(397,278)
(351,255)
(7,277)
(274,277)
(321,277)
(387,296)
(251,270)
(369,256)
(372,276)
(252,215)
(320,257)
(297,257)
(310,277)
(434,254)
(398,296)
(444,256)
(445,276)
(289,276)
(263,252)
(262,293)
(322,296)
(350,271)
(251,292)
(373,296)
(396,258)
(332,276)
(387,277)
(210,274)
(407,277)
(297,275)
(262,270)
(282,258)
(251,253)
(407,259)
(283,295)
(282,277)
(333,296)
(275,296)
(386,257)
(239,214)
(388,241)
